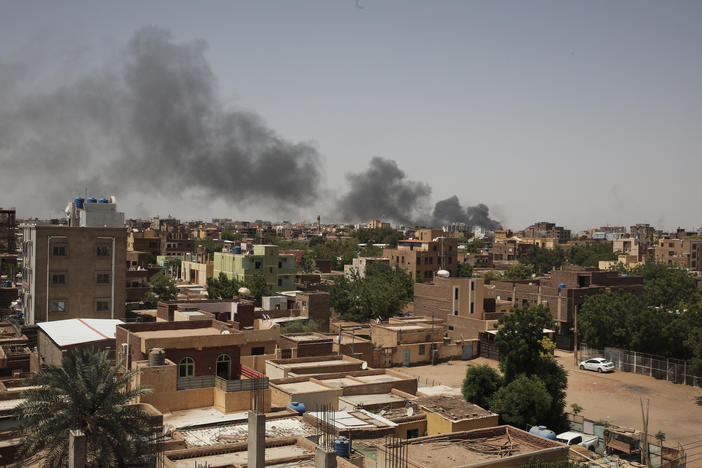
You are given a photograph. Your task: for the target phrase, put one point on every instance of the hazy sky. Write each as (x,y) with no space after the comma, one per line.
(584,113)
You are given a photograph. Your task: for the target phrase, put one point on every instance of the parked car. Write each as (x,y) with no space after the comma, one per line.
(578,438)
(597,364)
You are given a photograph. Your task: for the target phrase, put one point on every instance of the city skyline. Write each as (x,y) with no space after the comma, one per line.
(582,114)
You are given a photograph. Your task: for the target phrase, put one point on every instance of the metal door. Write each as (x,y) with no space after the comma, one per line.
(467,352)
(406,357)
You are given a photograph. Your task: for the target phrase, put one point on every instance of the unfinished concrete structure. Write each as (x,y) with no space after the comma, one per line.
(282,368)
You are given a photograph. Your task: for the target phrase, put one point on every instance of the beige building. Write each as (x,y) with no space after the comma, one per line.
(421,258)
(683,253)
(73,272)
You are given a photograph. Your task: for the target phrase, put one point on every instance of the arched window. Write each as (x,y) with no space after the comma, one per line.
(186,368)
(224,366)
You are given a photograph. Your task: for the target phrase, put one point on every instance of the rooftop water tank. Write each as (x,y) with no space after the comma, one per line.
(443,274)
(299,407)
(543,431)
(342,447)
(624,275)
(78,201)
(157,357)
(244,292)
(91,200)
(237,249)
(103,200)
(561,286)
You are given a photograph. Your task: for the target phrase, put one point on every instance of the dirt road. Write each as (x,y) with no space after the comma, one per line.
(674,409)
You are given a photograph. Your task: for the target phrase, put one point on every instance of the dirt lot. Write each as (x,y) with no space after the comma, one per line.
(674,409)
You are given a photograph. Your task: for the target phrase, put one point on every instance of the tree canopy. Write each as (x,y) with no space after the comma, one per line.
(381,294)
(522,402)
(480,385)
(163,288)
(88,394)
(464,270)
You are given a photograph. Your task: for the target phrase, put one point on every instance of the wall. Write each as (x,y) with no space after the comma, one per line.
(230,402)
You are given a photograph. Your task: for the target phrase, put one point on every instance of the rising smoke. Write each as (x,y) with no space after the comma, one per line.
(383,191)
(152,122)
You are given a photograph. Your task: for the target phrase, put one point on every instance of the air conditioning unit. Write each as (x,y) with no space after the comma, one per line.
(125,348)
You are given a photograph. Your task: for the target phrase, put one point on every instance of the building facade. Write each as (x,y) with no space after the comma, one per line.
(421,258)
(278,270)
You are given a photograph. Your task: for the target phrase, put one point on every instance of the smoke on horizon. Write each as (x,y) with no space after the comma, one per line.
(151,123)
(383,192)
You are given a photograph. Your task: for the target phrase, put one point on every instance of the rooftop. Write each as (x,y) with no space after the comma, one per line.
(231,433)
(77,331)
(207,331)
(454,408)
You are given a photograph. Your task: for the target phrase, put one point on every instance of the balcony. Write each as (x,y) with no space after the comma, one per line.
(251,380)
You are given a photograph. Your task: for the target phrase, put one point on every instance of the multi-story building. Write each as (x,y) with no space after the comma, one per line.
(359,265)
(544,229)
(421,258)
(377,224)
(683,253)
(73,272)
(278,270)
(643,233)
(144,241)
(7,231)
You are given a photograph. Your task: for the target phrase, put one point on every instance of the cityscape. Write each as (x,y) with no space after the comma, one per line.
(193,275)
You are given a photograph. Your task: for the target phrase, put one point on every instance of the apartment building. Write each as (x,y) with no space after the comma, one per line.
(545,229)
(278,270)
(7,231)
(421,258)
(683,253)
(73,272)
(359,265)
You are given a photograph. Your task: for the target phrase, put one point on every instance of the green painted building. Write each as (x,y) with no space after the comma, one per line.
(278,270)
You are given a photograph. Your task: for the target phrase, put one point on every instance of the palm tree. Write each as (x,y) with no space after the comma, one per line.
(90,395)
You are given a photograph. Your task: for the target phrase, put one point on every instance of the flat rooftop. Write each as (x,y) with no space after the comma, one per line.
(341,382)
(242,457)
(414,327)
(302,387)
(297,365)
(373,399)
(205,331)
(378,378)
(357,419)
(232,433)
(454,408)
(308,337)
(473,447)
(200,417)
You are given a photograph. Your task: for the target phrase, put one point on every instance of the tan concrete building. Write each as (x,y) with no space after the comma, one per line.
(73,272)
(449,296)
(683,253)
(421,258)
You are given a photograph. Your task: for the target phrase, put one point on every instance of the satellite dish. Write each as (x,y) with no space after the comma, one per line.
(364,365)
(226,332)
(410,411)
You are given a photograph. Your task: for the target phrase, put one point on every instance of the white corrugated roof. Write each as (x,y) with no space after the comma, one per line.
(76,331)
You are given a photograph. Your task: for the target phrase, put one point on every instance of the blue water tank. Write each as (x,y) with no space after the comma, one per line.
(91,200)
(79,202)
(237,249)
(543,431)
(299,407)
(624,275)
(561,286)
(103,200)
(342,447)
(8,283)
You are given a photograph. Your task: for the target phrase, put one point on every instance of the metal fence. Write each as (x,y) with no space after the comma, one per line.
(673,370)
(243,385)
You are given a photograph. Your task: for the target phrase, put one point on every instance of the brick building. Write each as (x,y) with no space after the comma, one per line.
(421,258)
(683,253)
(7,231)
(73,272)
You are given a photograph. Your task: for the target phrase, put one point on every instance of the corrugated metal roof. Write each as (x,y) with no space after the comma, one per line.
(76,331)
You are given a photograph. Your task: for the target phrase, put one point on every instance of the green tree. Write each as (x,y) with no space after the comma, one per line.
(258,286)
(307,263)
(543,260)
(605,318)
(222,287)
(300,326)
(667,286)
(209,245)
(520,340)
(381,294)
(230,236)
(523,402)
(518,271)
(490,276)
(591,255)
(163,288)
(465,270)
(88,394)
(475,245)
(480,384)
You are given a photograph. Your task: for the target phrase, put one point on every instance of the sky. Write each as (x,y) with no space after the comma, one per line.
(583,113)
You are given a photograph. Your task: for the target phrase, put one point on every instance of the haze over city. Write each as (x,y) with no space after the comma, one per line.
(585,113)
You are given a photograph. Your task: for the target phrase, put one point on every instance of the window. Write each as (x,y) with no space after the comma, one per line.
(258,351)
(224,366)
(472,286)
(102,306)
(58,306)
(422,349)
(58,278)
(59,251)
(103,278)
(103,251)
(455,312)
(455,293)
(412,433)
(257,265)
(280,282)
(280,264)
(186,368)
(472,307)
(270,269)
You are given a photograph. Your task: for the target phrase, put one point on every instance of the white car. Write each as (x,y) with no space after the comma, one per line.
(597,364)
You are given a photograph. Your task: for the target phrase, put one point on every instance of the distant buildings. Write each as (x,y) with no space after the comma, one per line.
(683,253)
(7,231)
(421,258)
(278,270)
(359,265)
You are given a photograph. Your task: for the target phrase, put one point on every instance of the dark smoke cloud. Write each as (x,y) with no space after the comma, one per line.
(383,191)
(150,122)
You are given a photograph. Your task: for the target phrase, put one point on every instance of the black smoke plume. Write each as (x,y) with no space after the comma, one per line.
(150,122)
(383,192)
